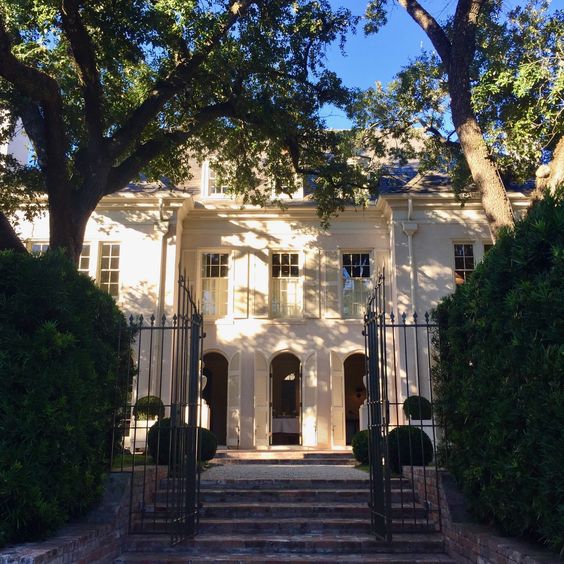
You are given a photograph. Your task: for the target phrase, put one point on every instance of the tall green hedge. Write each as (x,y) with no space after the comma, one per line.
(58,363)
(500,380)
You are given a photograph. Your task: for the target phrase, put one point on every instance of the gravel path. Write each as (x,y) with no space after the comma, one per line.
(283,472)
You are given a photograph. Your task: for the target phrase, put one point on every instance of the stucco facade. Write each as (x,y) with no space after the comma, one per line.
(281,296)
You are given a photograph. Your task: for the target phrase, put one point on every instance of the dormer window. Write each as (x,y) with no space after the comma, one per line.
(210,185)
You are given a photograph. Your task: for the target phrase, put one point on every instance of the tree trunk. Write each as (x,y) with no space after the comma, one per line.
(551,176)
(484,172)
(9,241)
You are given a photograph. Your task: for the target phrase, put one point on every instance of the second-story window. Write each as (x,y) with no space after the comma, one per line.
(357,283)
(213,189)
(84,260)
(215,288)
(286,296)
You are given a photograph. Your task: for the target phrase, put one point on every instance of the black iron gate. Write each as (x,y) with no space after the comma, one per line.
(158,420)
(404,492)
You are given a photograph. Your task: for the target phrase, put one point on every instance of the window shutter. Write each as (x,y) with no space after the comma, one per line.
(311,283)
(332,284)
(309,407)
(337,400)
(261,278)
(240,284)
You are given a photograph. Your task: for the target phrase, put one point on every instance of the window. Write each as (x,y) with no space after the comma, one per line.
(215,273)
(84,260)
(39,248)
(357,283)
(109,268)
(212,189)
(463,262)
(487,248)
(286,297)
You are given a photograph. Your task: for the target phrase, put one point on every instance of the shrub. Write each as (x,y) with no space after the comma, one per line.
(58,337)
(159,441)
(417,407)
(359,445)
(208,446)
(149,407)
(408,446)
(499,383)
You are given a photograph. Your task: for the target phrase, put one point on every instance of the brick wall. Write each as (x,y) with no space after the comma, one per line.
(468,542)
(99,537)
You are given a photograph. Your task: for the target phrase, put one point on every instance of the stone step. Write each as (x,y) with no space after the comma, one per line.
(235,558)
(304,495)
(328,461)
(312,544)
(274,455)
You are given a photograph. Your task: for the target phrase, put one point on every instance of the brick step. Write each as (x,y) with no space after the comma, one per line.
(271,484)
(288,526)
(313,544)
(303,495)
(235,558)
(289,510)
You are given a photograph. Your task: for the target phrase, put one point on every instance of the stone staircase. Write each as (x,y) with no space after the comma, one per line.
(287,519)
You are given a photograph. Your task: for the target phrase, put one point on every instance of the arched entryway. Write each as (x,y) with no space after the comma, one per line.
(355,393)
(215,393)
(285,400)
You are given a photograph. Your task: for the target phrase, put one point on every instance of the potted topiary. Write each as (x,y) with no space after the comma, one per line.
(359,445)
(146,412)
(408,446)
(419,413)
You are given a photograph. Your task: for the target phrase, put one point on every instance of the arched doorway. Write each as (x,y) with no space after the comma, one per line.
(285,400)
(355,393)
(215,394)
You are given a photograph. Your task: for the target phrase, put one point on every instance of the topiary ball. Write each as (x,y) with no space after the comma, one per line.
(148,407)
(208,445)
(360,446)
(408,446)
(417,407)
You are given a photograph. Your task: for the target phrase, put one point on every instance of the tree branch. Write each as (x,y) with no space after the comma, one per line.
(8,238)
(430,26)
(132,166)
(85,59)
(176,81)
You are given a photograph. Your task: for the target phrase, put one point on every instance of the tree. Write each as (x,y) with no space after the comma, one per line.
(108,90)
(471,74)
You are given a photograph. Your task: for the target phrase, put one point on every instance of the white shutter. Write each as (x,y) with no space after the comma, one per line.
(309,402)
(234,401)
(311,284)
(262,403)
(189,268)
(240,284)
(332,284)
(260,282)
(337,400)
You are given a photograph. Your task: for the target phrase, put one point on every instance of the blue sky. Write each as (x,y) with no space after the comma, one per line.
(379,57)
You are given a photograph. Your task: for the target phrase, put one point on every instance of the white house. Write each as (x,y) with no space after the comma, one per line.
(283,299)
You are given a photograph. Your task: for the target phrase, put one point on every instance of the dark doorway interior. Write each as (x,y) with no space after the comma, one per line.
(355,393)
(285,396)
(215,394)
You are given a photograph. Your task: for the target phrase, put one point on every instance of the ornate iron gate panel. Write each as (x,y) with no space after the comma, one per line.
(158,420)
(402,445)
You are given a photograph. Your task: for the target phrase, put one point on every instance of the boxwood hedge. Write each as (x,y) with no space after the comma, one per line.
(500,380)
(58,365)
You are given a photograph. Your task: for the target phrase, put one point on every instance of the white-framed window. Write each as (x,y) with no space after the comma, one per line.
(356,269)
(215,284)
(39,247)
(84,259)
(279,190)
(108,270)
(210,185)
(464,262)
(286,283)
